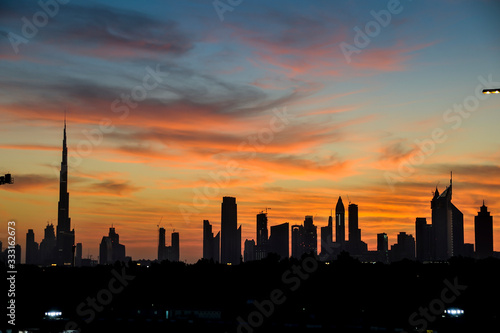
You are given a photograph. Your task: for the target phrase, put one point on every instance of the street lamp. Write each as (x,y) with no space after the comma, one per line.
(491,91)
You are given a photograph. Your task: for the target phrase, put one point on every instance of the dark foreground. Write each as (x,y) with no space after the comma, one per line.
(264,296)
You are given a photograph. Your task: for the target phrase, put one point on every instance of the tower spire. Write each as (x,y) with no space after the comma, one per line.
(65,236)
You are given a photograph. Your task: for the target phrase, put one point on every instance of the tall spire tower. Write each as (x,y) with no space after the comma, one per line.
(340,223)
(65,236)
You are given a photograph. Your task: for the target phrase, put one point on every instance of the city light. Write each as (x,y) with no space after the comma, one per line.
(454,312)
(53,314)
(491,91)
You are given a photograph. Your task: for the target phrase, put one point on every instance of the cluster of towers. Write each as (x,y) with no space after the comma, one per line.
(438,241)
(225,247)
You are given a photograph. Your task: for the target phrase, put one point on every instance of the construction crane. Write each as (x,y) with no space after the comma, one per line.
(7,179)
(159,223)
(262,212)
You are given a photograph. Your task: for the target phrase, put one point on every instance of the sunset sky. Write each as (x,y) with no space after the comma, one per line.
(172,105)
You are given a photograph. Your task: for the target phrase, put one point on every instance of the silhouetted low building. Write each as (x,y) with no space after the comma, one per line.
(249,250)
(110,249)
(403,249)
(424,241)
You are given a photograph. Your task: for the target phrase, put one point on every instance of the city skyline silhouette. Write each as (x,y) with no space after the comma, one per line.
(250,166)
(440,240)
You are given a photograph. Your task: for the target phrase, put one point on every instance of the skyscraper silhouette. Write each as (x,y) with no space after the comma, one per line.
(278,241)
(404,248)
(175,256)
(340,223)
(48,246)
(230,233)
(65,237)
(32,253)
(171,253)
(297,241)
(110,249)
(326,239)
(424,243)
(162,252)
(262,236)
(383,247)
(447,225)
(483,230)
(249,250)
(78,254)
(457,220)
(211,244)
(353,223)
(356,246)
(310,236)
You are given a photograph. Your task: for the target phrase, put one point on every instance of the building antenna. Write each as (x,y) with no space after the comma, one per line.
(159,223)
(349,200)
